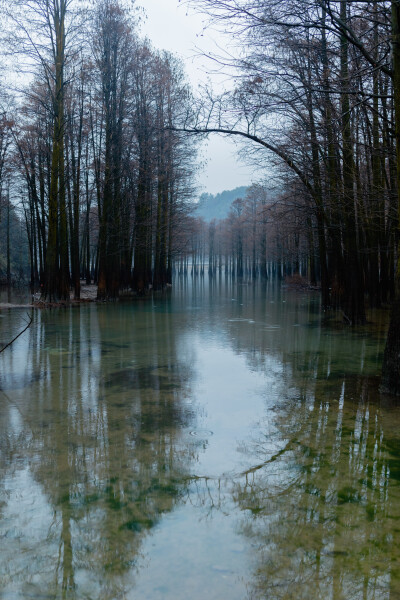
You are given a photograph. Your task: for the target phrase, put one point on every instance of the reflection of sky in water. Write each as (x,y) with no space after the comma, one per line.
(232,397)
(213,442)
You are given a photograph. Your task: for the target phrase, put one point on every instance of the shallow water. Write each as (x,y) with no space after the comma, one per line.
(221,441)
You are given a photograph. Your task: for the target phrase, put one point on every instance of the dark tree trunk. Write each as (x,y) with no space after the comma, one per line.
(391,359)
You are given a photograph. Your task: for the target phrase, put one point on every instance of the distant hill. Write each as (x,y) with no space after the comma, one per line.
(212,207)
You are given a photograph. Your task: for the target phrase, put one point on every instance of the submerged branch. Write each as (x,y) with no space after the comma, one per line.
(21,332)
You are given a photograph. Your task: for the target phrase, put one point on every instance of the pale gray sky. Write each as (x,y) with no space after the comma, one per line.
(171,26)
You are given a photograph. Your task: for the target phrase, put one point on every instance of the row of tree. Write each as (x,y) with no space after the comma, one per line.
(318,86)
(263,236)
(108,173)
(315,88)
(89,149)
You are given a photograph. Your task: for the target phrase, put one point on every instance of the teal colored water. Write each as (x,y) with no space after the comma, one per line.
(220,441)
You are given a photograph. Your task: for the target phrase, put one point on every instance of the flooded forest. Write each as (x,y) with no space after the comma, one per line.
(200,398)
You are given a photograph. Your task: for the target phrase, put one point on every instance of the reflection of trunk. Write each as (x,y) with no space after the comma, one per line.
(67,555)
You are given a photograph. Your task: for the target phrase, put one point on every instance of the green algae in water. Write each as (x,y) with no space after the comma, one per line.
(137,525)
(348,494)
(107,493)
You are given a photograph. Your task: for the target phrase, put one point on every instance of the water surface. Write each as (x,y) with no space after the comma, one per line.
(220,441)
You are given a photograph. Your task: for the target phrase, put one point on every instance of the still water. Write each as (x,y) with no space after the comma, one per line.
(222,441)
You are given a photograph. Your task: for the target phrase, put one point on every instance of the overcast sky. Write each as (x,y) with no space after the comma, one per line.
(171,26)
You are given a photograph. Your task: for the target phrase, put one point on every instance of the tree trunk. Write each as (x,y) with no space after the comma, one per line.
(391,360)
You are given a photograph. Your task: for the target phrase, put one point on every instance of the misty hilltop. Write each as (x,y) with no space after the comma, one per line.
(212,207)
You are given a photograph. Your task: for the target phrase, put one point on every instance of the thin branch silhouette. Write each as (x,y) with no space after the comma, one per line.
(17,336)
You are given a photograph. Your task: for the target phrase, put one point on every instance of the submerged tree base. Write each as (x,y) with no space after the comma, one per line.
(89,293)
(391,359)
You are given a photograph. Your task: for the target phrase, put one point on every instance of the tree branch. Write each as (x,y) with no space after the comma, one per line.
(254,138)
(17,336)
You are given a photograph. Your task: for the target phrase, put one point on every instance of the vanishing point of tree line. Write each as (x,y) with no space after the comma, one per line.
(100,149)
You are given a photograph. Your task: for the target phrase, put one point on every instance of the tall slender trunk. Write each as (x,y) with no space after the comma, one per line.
(8,238)
(353,297)
(57,267)
(391,361)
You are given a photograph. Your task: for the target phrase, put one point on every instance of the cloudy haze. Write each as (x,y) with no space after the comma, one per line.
(171,26)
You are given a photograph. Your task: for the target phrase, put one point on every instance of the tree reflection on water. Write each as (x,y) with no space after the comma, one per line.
(102,440)
(104,432)
(323,512)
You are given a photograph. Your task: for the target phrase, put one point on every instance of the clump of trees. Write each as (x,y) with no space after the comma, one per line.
(318,87)
(89,146)
(265,235)
(107,173)
(315,90)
